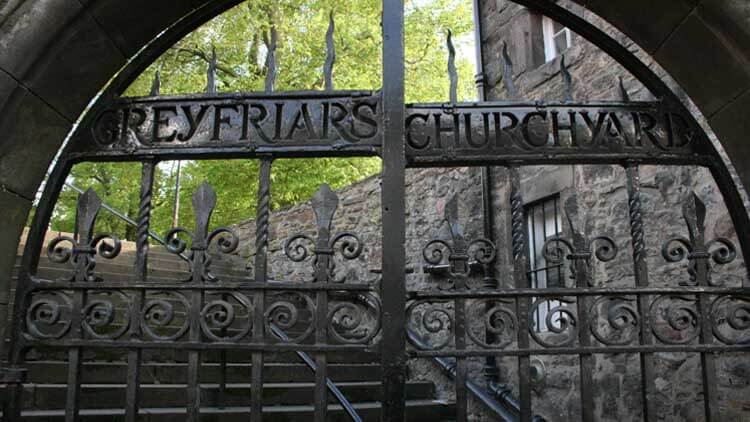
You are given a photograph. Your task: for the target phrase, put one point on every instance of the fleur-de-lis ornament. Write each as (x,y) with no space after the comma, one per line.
(580,248)
(204,202)
(85,246)
(696,249)
(462,255)
(324,203)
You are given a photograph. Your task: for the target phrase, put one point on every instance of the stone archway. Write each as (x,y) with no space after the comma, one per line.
(58,54)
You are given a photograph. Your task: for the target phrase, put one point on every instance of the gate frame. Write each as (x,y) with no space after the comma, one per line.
(394,163)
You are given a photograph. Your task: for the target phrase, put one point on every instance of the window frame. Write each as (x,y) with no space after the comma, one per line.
(549,34)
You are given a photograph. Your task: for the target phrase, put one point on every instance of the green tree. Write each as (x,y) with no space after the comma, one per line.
(240,37)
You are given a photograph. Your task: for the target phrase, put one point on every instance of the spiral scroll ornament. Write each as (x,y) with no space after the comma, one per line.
(106,315)
(355,321)
(432,320)
(614,320)
(675,319)
(49,315)
(225,321)
(560,325)
(499,321)
(730,319)
(604,249)
(284,314)
(164,316)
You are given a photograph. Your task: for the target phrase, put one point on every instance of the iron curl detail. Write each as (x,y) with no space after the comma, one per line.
(675,319)
(565,326)
(100,316)
(161,313)
(81,254)
(730,319)
(296,250)
(622,320)
(348,322)
(435,251)
(483,250)
(284,315)
(498,321)
(351,245)
(46,315)
(434,321)
(221,315)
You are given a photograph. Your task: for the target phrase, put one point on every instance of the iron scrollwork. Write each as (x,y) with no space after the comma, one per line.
(457,257)
(498,322)
(730,319)
(204,202)
(696,249)
(675,319)
(355,319)
(561,323)
(614,320)
(48,315)
(580,249)
(432,321)
(85,246)
(298,247)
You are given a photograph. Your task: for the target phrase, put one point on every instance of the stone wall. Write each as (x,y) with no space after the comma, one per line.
(601,196)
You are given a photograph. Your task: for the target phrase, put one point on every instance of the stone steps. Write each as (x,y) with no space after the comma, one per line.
(176,372)
(416,410)
(103,396)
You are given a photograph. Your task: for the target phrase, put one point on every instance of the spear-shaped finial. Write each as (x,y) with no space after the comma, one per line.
(510,86)
(452,73)
(156,84)
(623,92)
(271,61)
(567,80)
(211,73)
(331,54)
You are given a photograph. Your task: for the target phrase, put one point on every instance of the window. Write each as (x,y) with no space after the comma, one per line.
(556,38)
(543,222)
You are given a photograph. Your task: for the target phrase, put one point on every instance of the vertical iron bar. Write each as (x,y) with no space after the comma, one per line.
(462,398)
(583,280)
(694,212)
(640,267)
(141,271)
(490,366)
(393,343)
(261,267)
(321,373)
(520,268)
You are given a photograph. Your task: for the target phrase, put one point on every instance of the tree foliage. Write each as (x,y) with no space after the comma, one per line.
(240,37)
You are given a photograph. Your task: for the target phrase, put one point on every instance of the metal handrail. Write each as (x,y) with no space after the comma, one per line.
(499,400)
(276,330)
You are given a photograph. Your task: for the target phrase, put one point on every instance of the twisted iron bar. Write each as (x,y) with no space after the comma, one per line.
(271,62)
(452,72)
(636,221)
(330,54)
(510,85)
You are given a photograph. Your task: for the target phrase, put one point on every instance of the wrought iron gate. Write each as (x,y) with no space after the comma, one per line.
(262,316)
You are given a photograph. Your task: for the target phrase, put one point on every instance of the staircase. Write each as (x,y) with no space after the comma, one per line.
(288,382)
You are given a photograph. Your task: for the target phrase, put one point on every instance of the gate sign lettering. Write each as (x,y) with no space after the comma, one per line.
(350,123)
(189,125)
(503,131)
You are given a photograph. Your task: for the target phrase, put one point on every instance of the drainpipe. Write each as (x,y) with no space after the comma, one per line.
(489,282)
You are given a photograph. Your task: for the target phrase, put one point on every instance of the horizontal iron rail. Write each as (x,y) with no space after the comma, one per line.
(593,291)
(40,284)
(686,348)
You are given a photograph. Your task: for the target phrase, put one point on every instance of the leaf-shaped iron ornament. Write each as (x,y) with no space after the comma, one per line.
(330,54)
(580,248)
(85,245)
(452,72)
(271,62)
(458,256)
(204,202)
(510,85)
(696,249)
(324,203)
(567,80)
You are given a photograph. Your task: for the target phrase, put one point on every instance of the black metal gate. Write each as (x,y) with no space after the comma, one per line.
(324,315)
